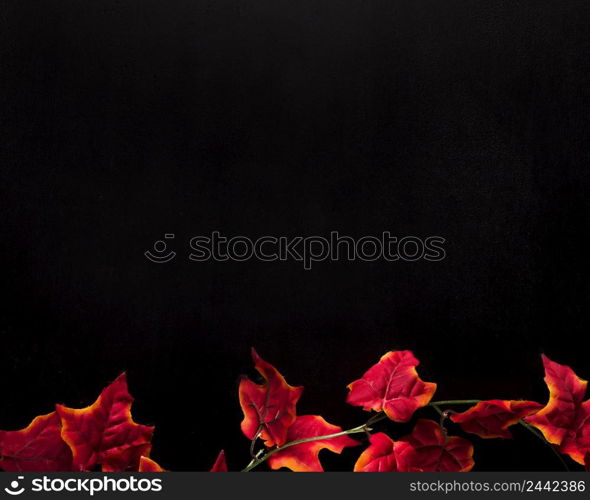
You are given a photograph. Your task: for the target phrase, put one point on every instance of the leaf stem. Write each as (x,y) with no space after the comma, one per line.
(438,410)
(255,457)
(455,402)
(540,436)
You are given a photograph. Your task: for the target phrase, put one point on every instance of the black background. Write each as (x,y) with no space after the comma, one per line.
(124,120)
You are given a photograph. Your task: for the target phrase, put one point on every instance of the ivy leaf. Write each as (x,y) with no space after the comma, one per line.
(104,433)
(565,420)
(148,465)
(576,443)
(383,455)
(566,392)
(491,419)
(38,447)
(126,459)
(304,457)
(433,451)
(220,464)
(392,386)
(269,409)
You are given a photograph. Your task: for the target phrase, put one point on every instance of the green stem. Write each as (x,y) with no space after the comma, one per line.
(376,418)
(456,402)
(540,436)
(264,458)
(254,458)
(438,410)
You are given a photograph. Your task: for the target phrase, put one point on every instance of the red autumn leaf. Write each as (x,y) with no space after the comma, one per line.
(491,419)
(104,433)
(434,451)
(565,420)
(304,457)
(587,462)
(392,386)
(269,409)
(576,443)
(38,447)
(126,459)
(220,464)
(383,455)
(148,465)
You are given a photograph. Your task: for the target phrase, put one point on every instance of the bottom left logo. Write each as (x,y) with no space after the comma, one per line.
(14,488)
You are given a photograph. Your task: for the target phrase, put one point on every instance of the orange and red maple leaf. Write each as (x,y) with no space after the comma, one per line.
(392,386)
(38,447)
(491,419)
(304,457)
(269,409)
(576,444)
(383,455)
(565,420)
(434,451)
(104,433)
(68,439)
(426,449)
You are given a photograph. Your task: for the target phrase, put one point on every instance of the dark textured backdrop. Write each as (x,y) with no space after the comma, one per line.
(125,119)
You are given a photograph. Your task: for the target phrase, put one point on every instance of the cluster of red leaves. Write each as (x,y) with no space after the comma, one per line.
(393,387)
(426,449)
(270,414)
(101,435)
(104,435)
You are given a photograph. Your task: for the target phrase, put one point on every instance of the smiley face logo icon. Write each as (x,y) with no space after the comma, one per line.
(14,488)
(159,254)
